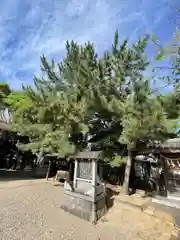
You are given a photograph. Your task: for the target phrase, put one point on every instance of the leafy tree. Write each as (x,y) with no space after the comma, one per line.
(55,114)
(170,101)
(15,98)
(172,51)
(43,120)
(175,56)
(145,120)
(127,97)
(4,92)
(107,97)
(119,69)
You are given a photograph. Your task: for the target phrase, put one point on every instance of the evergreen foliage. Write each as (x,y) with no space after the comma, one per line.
(108,98)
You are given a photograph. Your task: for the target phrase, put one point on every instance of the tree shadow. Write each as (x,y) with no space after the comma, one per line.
(110,193)
(16,175)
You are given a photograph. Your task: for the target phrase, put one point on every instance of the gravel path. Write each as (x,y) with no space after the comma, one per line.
(33,211)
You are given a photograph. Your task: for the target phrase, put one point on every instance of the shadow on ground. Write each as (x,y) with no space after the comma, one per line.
(13,175)
(110,193)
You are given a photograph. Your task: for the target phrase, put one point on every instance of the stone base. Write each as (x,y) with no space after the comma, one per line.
(83,207)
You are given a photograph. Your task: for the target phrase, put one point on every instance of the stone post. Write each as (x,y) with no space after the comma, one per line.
(75,173)
(94,185)
(94,177)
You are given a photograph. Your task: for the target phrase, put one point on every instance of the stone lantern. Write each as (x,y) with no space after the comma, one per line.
(84,195)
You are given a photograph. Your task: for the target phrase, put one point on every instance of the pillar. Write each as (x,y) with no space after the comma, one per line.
(75,173)
(94,177)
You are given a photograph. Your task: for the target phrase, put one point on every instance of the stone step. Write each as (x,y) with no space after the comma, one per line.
(146,206)
(125,214)
(137,207)
(175,196)
(169,201)
(136,201)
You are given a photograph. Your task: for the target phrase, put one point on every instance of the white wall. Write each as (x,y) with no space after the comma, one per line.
(5,115)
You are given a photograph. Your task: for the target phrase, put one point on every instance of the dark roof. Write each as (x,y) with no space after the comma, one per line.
(55,155)
(170,145)
(88,155)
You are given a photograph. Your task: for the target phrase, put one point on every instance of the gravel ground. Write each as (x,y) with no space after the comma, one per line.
(31,210)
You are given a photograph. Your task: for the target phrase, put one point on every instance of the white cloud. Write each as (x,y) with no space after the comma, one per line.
(76,7)
(31,28)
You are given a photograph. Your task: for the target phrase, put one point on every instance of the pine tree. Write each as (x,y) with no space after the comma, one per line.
(125,95)
(55,117)
(117,72)
(107,97)
(144,120)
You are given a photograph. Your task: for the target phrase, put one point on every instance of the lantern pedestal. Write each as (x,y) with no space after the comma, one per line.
(82,206)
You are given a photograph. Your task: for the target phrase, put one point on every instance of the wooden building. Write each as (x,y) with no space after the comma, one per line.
(168,154)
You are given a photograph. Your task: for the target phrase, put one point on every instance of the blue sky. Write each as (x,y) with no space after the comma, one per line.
(30,28)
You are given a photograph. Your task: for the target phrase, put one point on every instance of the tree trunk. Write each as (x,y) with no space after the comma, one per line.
(18,166)
(48,171)
(125,188)
(40,157)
